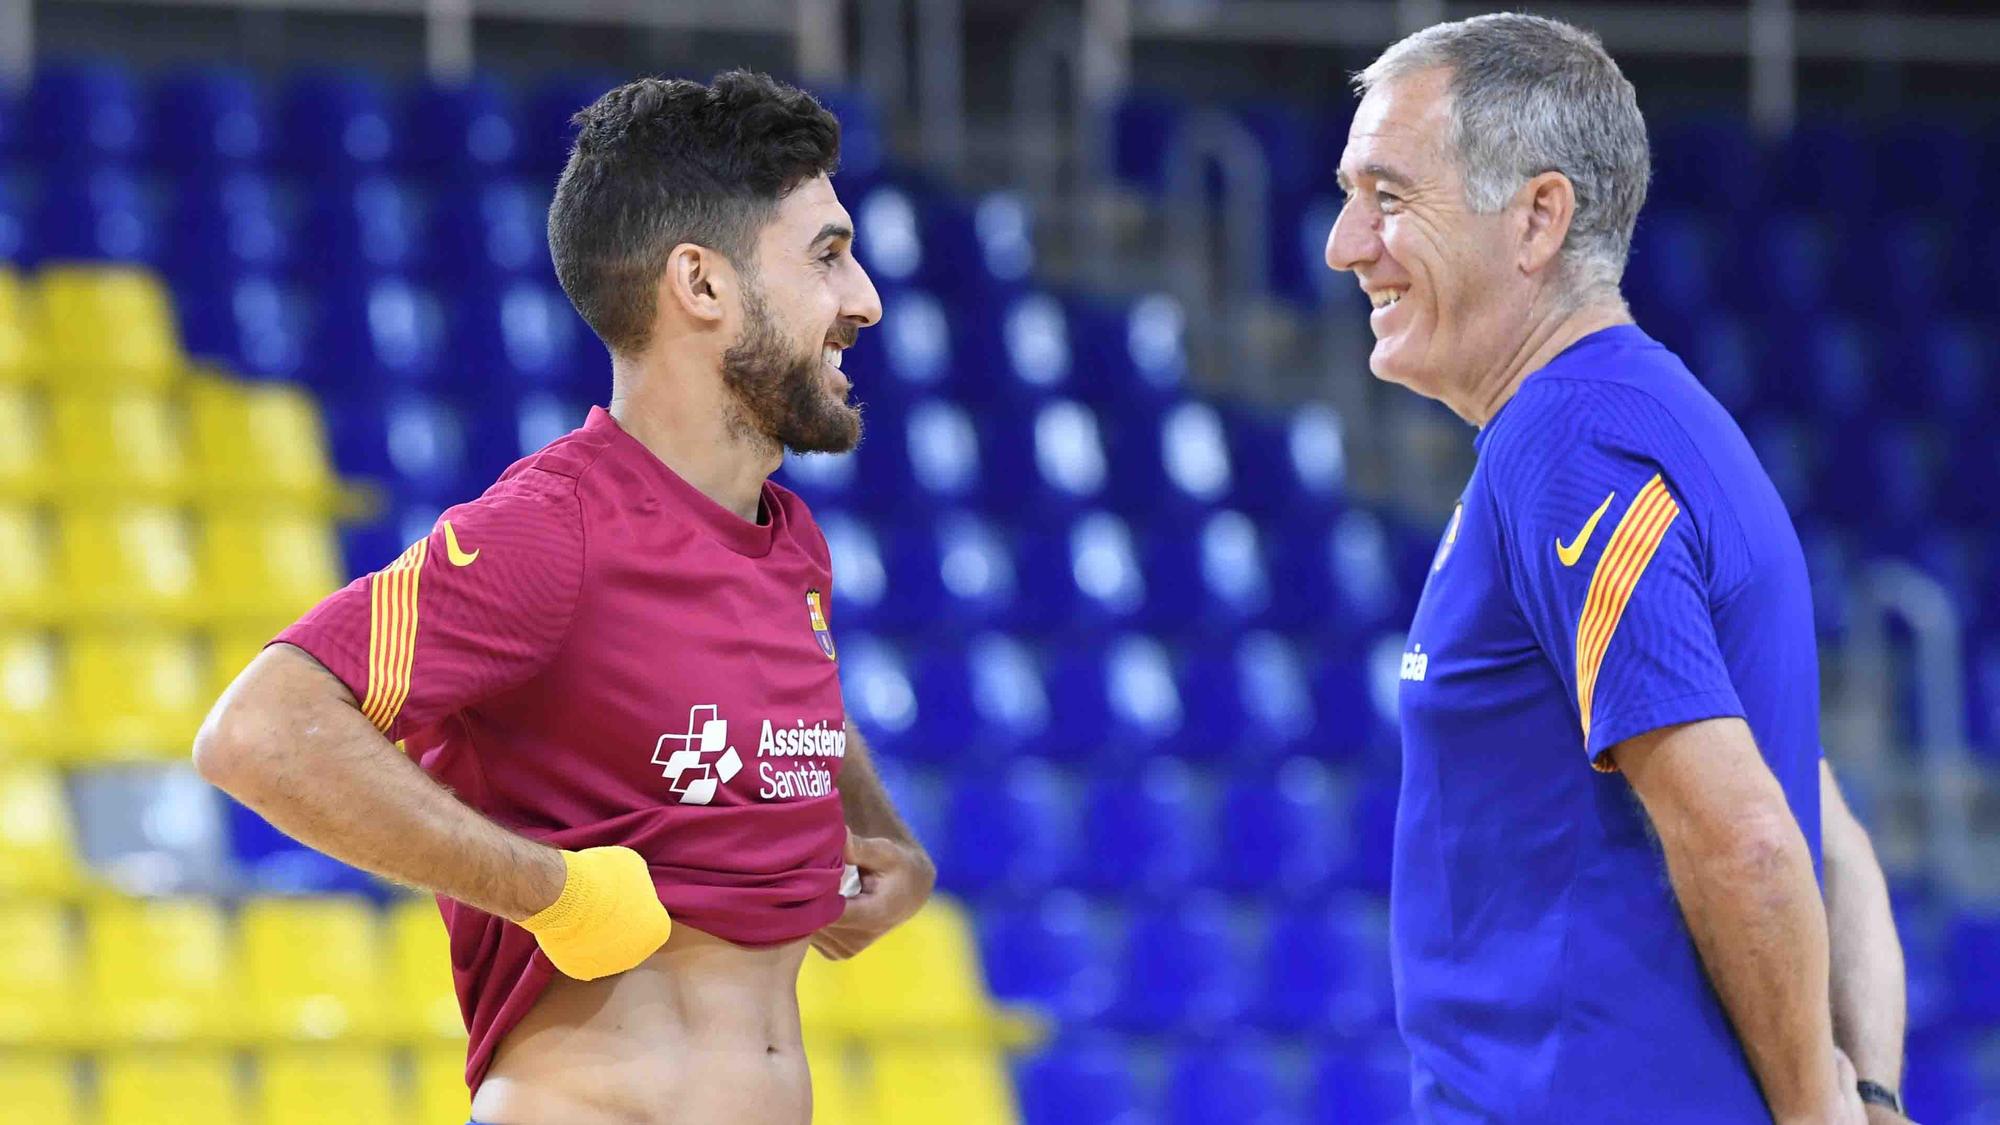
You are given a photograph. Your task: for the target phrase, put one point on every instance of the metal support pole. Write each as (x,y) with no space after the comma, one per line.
(941,81)
(1773,65)
(17,41)
(448,39)
(883,72)
(1104,65)
(821,43)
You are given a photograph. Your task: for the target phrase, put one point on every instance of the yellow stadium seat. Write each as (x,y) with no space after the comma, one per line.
(926,1084)
(259,440)
(922,980)
(138,693)
(441,1096)
(314,966)
(269,567)
(327,1085)
(26,463)
(42,999)
(20,331)
(130,560)
(30,695)
(171,1087)
(125,442)
(426,1004)
(40,1088)
(843,1081)
(28,588)
(37,839)
(107,325)
(823,1008)
(164,971)
(232,650)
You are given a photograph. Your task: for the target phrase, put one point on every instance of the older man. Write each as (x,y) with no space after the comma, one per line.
(1619,607)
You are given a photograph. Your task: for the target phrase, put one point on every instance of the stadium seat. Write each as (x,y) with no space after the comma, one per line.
(31,713)
(42,1002)
(1140,836)
(26,462)
(1277,837)
(207,118)
(268,568)
(1368,1083)
(423,1003)
(1341,986)
(136,692)
(28,587)
(1049,954)
(440,1093)
(128,442)
(1190,944)
(336,124)
(1234,1081)
(314,967)
(929,989)
(996,684)
(843,1079)
(238,222)
(258,442)
(545,130)
(42,1088)
(173,1087)
(80,111)
(21,357)
(879,693)
(1086,1078)
(459,131)
(326,1085)
(255,323)
(38,854)
(164,971)
(384,333)
(525,336)
(80,304)
(928,1083)
(1005,837)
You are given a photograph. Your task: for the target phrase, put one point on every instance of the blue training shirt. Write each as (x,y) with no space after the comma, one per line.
(1619,562)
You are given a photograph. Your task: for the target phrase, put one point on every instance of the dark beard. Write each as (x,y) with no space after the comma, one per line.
(779,395)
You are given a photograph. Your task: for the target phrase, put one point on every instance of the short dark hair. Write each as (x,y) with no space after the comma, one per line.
(659,162)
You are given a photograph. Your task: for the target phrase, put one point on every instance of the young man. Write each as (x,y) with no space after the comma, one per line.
(1618,610)
(613,671)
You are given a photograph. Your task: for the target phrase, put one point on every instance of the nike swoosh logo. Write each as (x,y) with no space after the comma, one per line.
(460,558)
(1568,554)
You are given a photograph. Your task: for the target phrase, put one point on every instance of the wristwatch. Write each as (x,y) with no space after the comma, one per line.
(1876,1094)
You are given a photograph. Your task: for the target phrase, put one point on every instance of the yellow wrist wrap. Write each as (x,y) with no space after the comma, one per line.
(608,917)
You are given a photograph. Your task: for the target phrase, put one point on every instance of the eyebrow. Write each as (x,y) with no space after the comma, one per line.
(831,231)
(1380,172)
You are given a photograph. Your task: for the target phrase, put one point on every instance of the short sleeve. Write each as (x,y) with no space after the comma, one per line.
(478,607)
(1609,568)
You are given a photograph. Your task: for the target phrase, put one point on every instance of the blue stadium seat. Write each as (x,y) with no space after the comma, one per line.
(1235,1080)
(1365,1082)
(275,864)
(1089,581)
(523,337)
(1192,946)
(862,593)
(1287,463)
(1214,584)
(1004,223)
(1257,695)
(910,354)
(1674,264)
(460,131)
(207,118)
(1173,465)
(1928,166)
(1725,352)
(338,124)
(1338,577)
(388,333)
(544,131)
(255,324)
(1081,1080)
(1944,1082)
(1143,124)
(496,238)
(932,458)
(1801,169)
(879,691)
(975,572)
(235,223)
(1686,153)
(1325,969)
(1141,835)
(1371,834)
(432,451)
(987,702)
(862,144)
(366,227)
(1005,836)
(1049,954)
(83,112)
(1277,837)
(114,217)
(1118,703)
(540,417)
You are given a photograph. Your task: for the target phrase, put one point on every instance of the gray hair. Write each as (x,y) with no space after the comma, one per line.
(1533,95)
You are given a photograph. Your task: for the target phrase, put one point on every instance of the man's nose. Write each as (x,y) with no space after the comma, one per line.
(863,304)
(1352,242)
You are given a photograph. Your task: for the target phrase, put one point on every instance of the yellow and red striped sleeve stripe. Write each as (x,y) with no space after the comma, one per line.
(1618,569)
(392,634)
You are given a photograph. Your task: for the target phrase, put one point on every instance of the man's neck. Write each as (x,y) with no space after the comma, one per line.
(684,420)
(1550,335)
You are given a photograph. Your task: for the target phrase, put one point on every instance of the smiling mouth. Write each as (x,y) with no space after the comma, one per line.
(1385,298)
(833,355)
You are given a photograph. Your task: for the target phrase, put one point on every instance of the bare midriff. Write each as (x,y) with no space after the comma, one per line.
(703,1032)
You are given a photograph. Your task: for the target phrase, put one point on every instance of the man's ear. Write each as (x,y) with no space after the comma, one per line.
(1551,207)
(696,280)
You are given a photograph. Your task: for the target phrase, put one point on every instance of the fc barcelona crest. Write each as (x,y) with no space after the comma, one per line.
(821,633)
(1450,539)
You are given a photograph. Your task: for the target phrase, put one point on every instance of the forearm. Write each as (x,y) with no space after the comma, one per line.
(287,740)
(1754,910)
(869,810)
(1867,958)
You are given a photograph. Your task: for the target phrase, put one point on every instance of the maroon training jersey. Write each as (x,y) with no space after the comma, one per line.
(593,652)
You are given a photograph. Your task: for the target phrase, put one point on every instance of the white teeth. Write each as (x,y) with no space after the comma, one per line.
(1384,300)
(833,356)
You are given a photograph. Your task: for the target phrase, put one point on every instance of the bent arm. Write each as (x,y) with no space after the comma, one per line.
(1742,872)
(288,740)
(1867,981)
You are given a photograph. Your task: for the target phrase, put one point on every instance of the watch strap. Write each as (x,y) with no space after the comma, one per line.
(1874,1093)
